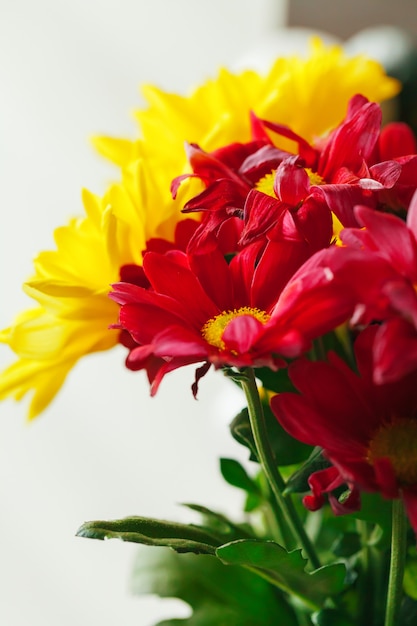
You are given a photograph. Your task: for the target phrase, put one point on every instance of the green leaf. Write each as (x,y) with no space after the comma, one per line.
(285,569)
(348,544)
(286,449)
(242,432)
(253,502)
(235,474)
(330,617)
(151,532)
(377,510)
(219,595)
(410,579)
(408,612)
(297,483)
(217,523)
(275,381)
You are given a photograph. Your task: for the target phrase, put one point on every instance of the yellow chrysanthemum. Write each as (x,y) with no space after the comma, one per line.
(70,284)
(310,95)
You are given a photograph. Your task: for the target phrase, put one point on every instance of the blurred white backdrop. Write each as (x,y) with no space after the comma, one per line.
(103,449)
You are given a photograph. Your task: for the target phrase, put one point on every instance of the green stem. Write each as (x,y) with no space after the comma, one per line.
(269,467)
(368,578)
(396,572)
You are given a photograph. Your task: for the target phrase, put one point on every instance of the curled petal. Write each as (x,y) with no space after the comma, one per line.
(291,183)
(321,482)
(241,333)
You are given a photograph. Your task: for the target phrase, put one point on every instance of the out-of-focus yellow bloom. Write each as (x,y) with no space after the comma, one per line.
(310,95)
(70,283)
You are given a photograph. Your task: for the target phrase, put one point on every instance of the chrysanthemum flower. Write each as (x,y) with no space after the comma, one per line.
(355,164)
(309,95)
(368,431)
(70,287)
(251,312)
(390,299)
(70,282)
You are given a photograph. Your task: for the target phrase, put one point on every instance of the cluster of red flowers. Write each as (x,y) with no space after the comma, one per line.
(291,245)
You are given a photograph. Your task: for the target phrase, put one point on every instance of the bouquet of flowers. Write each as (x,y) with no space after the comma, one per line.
(279,248)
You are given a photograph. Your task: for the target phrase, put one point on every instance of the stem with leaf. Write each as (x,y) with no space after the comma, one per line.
(269,467)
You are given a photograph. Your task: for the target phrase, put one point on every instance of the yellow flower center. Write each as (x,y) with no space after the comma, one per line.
(266,184)
(398,442)
(337,228)
(213,330)
(314,178)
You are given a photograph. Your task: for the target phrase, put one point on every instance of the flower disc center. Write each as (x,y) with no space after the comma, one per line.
(266,184)
(398,442)
(213,330)
(314,177)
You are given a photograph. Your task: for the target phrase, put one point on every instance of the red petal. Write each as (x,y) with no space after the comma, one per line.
(242,267)
(391,237)
(412,216)
(395,351)
(261,213)
(352,142)
(144,321)
(410,501)
(179,283)
(221,194)
(241,333)
(385,476)
(235,154)
(177,341)
(314,221)
(387,173)
(199,373)
(277,265)
(349,505)
(263,161)
(321,482)
(291,183)
(208,167)
(396,139)
(167,367)
(355,416)
(342,198)
(298,417)
(213,273)
(306,152)
(127,293)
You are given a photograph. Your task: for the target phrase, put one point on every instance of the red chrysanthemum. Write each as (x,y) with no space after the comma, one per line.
(253,311)
(368,431)
(390,298)
(356,164)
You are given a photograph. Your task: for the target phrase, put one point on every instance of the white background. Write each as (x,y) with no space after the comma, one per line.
(68,70)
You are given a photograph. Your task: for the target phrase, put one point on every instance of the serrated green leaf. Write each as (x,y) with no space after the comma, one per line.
(219,595)
(286,449)
(285,569)
(235,474)
(151,532)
